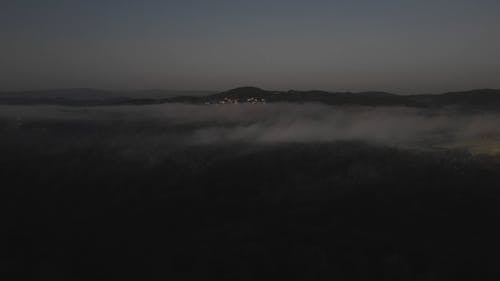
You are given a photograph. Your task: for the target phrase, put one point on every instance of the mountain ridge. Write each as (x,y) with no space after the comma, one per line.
(476,98)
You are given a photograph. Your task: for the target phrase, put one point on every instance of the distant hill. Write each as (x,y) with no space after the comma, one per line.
(483,99)
(480,99)
(90,97)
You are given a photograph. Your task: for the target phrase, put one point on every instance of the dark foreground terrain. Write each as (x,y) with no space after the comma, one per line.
(101,201)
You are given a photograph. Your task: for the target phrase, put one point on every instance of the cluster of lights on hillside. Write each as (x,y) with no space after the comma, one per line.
(227,100)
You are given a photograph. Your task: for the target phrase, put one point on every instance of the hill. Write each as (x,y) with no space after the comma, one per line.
(481,99)
(474,99)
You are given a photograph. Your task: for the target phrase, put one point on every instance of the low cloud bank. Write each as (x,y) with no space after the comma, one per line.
(274,123)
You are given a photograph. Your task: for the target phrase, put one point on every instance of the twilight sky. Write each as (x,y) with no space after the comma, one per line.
(420,46)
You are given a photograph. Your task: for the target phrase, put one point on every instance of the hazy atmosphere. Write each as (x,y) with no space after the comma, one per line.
(399,46)
(249,140)
(264,123)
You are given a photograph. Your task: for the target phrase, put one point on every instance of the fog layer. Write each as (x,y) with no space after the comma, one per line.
(266,123)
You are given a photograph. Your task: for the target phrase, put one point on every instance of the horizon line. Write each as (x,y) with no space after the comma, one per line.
(235,88)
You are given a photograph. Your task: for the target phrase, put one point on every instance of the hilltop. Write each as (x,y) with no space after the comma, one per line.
(481,99)
(478,99)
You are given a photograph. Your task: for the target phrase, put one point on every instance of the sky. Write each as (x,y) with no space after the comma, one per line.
(399,46)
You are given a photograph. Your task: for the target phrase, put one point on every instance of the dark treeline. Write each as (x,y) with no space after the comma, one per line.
(76,209)
(481,99)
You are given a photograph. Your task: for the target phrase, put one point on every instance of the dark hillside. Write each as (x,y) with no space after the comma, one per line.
(345,211)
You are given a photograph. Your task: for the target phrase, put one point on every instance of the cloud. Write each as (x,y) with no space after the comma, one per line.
(267,123)
(264,123)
